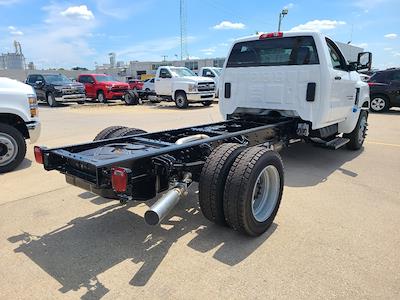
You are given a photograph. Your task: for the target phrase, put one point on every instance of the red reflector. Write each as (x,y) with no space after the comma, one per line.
(38,154)
(119,179)
(371,83)
(271,35)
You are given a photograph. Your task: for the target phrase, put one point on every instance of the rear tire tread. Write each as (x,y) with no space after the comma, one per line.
(107,132)
(212,181)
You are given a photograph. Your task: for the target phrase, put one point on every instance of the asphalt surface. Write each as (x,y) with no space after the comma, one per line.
(336,234)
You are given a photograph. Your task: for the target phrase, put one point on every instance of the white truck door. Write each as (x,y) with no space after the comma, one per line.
(342,95)
(164,82)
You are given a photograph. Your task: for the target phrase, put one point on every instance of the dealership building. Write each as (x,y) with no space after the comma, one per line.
(149,68)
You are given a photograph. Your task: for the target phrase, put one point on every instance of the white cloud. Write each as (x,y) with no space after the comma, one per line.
(396,54)
(123,9)
(66,39)
(288,6)
(388,49)
(229,25)
(14,31)
(390,36)
(318,25)
(78,12)
(8,2)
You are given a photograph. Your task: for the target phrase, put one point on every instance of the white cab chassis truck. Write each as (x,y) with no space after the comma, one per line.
(181,85)
(277,89)
(18,121)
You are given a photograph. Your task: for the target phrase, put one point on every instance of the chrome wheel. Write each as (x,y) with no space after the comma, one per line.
(101,97)
(265,193)
(378,104)
(8,149)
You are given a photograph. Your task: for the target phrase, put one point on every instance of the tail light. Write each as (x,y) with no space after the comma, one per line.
(271,35)
(119,179)
(372,83)
(38,154)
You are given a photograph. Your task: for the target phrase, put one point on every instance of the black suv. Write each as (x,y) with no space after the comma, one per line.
(384,88)
(55,88)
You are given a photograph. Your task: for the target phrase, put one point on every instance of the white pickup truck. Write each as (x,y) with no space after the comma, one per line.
(277,89)
(18,121)
(298,74)
(181,85)
(214,73)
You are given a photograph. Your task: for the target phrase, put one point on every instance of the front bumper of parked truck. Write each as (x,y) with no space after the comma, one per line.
(34,129)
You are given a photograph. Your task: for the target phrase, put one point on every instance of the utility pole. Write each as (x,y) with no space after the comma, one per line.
(182,15)
(164,57)
(282,14)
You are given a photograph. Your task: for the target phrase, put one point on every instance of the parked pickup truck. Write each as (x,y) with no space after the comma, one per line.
(18,121)
(181,85)
(103,87)
(214,73)
(56,88)
(277,89)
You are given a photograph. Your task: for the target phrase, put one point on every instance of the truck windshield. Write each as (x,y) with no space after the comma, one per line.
(218,71)
(182,72)
(299,50)
(104,78)
(56,79)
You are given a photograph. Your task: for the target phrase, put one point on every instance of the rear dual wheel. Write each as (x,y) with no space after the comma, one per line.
(242,187)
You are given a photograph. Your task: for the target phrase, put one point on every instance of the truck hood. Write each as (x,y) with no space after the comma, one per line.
(14,86)
(118,83)
(195,79)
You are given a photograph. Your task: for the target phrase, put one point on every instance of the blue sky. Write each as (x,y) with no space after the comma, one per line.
(71,33)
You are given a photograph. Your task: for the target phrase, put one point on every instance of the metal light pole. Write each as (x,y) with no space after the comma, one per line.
(283,13)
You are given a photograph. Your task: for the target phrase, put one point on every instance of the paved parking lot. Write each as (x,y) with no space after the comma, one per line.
(336,234)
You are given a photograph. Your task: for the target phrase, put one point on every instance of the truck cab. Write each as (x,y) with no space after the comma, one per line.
(18,121)
(298,74)
(214,73)
(183,86)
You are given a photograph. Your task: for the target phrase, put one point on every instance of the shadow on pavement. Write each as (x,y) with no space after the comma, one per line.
(78,252)
(308,165)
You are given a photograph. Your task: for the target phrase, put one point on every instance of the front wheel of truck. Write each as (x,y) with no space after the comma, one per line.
(101,97)
(181,100)
(12,148)
(357,136)
(51,101)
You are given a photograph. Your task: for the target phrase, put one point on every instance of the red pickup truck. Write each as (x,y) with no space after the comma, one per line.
(103,87)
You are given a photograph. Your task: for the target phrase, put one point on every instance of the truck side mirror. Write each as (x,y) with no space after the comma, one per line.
(364,61)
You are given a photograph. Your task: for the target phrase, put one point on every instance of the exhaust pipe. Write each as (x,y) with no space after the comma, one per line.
(159,210)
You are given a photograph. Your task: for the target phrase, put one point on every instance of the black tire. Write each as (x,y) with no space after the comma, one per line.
(107,132)
(357,136)
(129,99)
(206,103)
(212,181)
(241,183)
(51,101)
(81,102)
(181,100)
(126,131)
(11,136)
(101,97)
(379,103)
